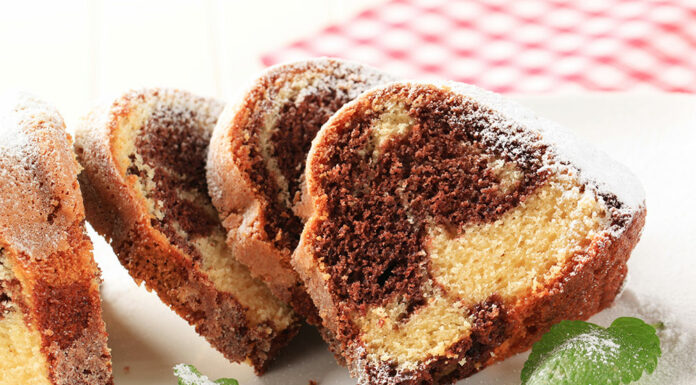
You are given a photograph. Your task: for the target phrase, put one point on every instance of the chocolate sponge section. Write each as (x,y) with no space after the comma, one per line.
(298,123)
(175,146)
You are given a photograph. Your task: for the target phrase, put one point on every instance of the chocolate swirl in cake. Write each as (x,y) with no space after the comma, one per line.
(257,159)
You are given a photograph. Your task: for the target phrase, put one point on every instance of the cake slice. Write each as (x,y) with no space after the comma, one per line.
(145,191)
(450,229)
(256,163)
(51,327)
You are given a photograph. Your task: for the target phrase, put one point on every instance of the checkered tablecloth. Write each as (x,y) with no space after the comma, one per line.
(523,46)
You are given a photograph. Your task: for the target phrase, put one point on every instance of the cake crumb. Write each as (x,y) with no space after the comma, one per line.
(312,382)
(126,369)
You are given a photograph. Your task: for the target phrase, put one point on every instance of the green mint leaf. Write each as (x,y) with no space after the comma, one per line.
(582,353)
(227,381)
(189,375)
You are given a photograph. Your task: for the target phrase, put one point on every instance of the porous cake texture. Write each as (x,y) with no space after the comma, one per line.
(145,191)
(51,327)
(450,229)
(256,163)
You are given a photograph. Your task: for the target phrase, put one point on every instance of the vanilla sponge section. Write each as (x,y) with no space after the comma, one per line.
(430,331)
(293,90)
(21,358)
(523,250)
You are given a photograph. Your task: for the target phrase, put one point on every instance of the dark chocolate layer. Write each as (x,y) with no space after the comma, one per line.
(436,174)
(4,293)
(71,310)
(298,123)
(174,145)
(4,300)
(297,126)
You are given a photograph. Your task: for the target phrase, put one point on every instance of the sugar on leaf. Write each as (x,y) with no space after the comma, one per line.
(578,352)
(189,375)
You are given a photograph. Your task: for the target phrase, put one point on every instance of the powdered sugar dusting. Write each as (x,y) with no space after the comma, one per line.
(10,139)
(677,365)
(595,166)
(15,109)
(366,371)
(339,75)
(37,171)
(598,348)
(189,377)
(568,153)
(20,114)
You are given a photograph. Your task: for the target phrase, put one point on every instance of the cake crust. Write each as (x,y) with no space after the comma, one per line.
(151,250)
(47,273)
(351,163)
(256,162)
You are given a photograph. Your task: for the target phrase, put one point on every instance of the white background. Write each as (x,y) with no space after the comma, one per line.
(74,52)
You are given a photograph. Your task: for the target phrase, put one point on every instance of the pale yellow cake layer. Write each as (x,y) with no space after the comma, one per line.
(21,359)
(428,332)
(523,250)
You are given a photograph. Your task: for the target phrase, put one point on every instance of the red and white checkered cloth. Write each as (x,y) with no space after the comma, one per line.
(520,46)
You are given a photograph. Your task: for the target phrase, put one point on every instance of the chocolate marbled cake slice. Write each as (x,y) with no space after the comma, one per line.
(257,157)
(145,191)
(449,229)
(51,327)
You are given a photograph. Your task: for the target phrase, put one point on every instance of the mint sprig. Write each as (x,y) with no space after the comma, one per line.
(578,353)
(189,375)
